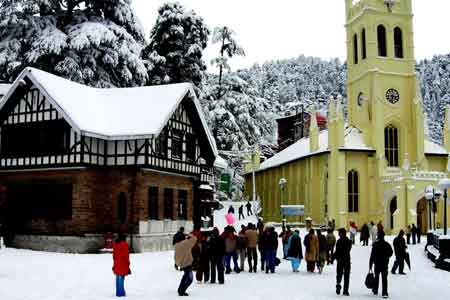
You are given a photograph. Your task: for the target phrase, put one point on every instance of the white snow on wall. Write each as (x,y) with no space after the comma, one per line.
(434,148)
(4,87)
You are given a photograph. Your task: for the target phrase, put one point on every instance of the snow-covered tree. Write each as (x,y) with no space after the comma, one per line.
(94,42)
(176,46)
(229,48)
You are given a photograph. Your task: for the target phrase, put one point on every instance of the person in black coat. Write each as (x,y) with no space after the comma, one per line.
(270,248)
(216,255)
(231,210)
(342,256)
(365,235)
(241,212)
(380,255)
(400,253)
(414,233)
(178,237)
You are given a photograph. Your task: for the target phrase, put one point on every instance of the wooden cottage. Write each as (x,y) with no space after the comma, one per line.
(77,162)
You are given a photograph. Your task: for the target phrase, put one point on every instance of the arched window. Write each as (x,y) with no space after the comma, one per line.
(355,49)
(122,208)
(381,34)
(353,191)
(391,145)
(398,42)
(364,47)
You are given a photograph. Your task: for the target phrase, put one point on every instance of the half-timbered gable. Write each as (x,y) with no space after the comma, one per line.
(40,128)
(76,160)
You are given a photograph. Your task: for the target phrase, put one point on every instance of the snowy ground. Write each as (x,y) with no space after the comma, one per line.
(49,276)
(219,215)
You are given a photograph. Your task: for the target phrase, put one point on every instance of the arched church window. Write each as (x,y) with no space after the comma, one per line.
(364,46)
(391,145)
(398,42)
(355,49)
(353,191)
(381,34)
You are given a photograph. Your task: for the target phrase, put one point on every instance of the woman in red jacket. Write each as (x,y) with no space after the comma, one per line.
(121,266)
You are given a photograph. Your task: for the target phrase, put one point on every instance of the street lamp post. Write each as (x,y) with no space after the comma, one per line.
(282,183)
(444,185)
(429,195)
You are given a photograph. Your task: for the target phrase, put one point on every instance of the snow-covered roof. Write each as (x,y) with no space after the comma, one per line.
(115,113)
(220,163)
(434,148)
(353,140)
(4,88)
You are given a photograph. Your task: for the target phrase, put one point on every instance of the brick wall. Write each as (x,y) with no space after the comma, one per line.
(95,198)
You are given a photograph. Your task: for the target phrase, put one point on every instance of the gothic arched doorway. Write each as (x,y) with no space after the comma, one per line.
(422,215)
(392,209)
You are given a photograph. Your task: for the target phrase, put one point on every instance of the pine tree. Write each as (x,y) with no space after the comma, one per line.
(228,48)
(94,42)
(176,46)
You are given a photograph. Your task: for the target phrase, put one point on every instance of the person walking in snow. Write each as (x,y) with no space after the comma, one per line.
(202,273)
(262,241)
(270,250)
(241,212)
(414,233)
(343,258)
(322,251)
(311,243)
(249,208)
(184,259)
(373,232)
(178,237)
(230,249)
(400,253)
(331,242)
(231,210)
(353,231)
(121,263)
(380,255)
(365,235)
(285,235)
(252,241)
(216,255)
(295,252)
(408,235)
(241,247)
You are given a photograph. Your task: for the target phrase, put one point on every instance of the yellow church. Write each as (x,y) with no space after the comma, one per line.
(375,165)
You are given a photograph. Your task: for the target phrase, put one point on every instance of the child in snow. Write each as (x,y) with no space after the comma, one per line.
(121,266)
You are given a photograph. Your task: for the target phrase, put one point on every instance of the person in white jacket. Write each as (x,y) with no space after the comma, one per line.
(373,232)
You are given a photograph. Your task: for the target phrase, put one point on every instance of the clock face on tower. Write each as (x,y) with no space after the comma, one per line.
(392,96)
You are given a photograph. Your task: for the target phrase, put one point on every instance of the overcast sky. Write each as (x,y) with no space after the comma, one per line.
(278,29)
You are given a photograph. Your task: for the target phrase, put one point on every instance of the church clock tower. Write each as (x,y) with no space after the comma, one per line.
(381,82)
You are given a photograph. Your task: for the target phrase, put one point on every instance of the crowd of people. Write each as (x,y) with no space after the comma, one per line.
(211,254)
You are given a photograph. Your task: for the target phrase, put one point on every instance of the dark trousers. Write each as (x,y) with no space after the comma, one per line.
(249,212)
(418,238)
(270,260)
(252,255)
(414,238)
(366,242)
(343,270)
(217,265)
(228,257)
(241,214)
(383,271)
(408,239)
(203,270)
(263,258)
(186,280)
(310,266)
(399,263)
(330,255)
